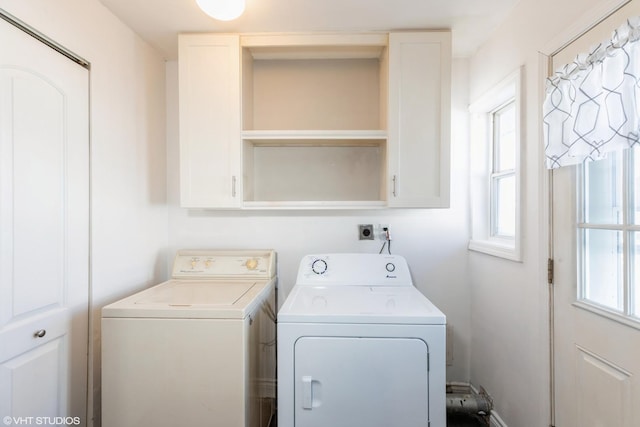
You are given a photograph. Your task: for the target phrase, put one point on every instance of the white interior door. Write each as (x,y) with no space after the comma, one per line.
(44,232)
(597,323)
(361,382)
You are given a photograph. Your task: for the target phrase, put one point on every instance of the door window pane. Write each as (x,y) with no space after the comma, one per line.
(603,190)
(635,274)
(635,194)
(602,268)
(609,234)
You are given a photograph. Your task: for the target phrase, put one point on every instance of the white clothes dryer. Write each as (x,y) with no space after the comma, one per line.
(197,350)
(360,346)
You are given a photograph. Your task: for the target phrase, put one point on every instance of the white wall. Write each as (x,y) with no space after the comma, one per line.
(433,241)
(128,149)
(509,310)
(497,308)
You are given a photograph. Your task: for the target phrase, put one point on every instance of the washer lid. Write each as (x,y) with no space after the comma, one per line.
(190,293)
(233,299)
(359,304)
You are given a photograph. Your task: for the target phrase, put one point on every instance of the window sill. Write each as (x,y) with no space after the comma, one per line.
(496,248)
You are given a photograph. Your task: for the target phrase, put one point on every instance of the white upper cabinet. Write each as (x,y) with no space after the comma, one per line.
(209,103)
(419,119)
(315,120)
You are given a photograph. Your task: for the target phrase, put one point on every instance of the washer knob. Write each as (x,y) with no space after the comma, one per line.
(319,266)
(251,264)
(390,267)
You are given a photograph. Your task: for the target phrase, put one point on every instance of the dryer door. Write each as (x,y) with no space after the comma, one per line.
(361,382)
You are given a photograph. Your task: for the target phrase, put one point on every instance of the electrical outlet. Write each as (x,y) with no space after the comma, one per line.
(366,232)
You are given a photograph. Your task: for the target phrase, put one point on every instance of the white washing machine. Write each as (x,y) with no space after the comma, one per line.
(360,346)
(197,350)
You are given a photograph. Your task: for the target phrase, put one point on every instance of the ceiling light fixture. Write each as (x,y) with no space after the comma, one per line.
(222,10)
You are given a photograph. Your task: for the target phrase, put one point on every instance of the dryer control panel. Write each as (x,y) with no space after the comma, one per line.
(206,264)
(354,270)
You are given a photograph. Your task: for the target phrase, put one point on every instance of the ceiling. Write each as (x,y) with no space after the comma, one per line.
(471,21)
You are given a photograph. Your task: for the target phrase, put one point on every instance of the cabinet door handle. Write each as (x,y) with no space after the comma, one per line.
(233,186)
(39,334)
(395,180)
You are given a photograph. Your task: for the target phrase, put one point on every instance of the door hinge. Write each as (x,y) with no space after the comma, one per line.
(550,271)
(428,362)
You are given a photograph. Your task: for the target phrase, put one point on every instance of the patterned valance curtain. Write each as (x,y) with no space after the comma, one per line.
(592,105)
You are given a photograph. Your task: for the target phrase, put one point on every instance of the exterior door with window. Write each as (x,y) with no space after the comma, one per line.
(596,250)
(44,233)
(597,335)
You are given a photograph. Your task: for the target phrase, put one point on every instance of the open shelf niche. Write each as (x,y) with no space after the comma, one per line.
(314,124)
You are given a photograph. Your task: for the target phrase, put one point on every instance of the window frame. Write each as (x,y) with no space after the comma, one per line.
(483,204)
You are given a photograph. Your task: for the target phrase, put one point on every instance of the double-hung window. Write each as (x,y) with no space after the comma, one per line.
(495,170)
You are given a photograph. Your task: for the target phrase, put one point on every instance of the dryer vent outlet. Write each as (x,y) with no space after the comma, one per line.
(366,232)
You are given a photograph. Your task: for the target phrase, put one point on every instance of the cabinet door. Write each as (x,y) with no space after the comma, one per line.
(210,144)
(419,119)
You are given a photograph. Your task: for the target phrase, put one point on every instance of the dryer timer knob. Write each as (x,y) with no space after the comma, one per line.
(319,266)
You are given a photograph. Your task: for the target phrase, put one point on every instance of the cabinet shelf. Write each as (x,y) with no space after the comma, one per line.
(315,137)
(314,204)
(327,172)
(323,93)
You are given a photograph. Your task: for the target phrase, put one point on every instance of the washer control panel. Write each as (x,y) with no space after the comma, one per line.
(219,264)
(354,269)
